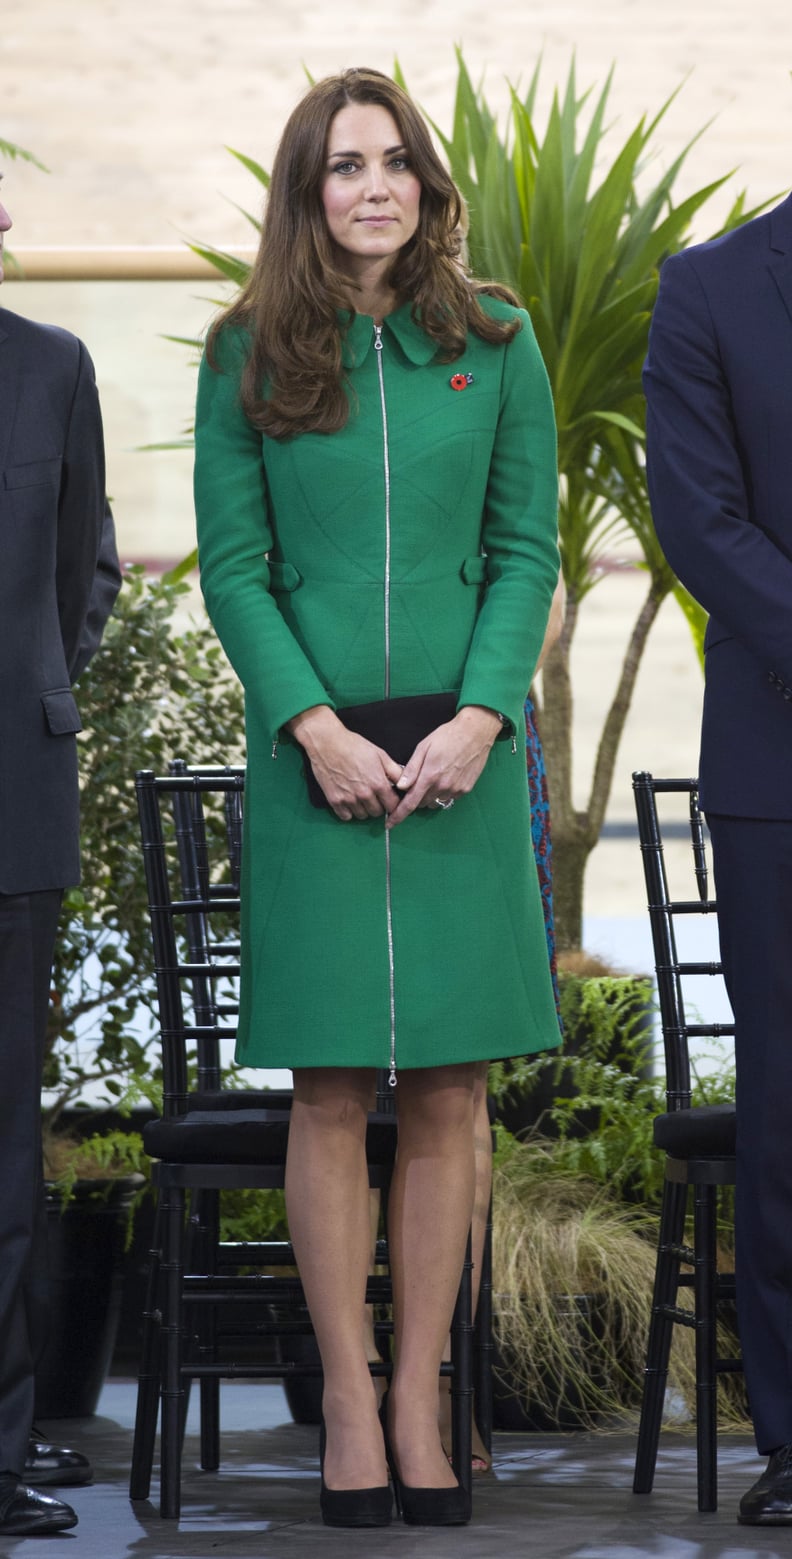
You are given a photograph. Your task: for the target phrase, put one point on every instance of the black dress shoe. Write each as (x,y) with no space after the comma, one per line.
(424,1507)
(353,1507)
(55,1465)
(768,1502)
(26,1513)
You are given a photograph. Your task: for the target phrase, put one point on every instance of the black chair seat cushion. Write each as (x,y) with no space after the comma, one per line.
(705,1131)
(232,1136)
(240,1099)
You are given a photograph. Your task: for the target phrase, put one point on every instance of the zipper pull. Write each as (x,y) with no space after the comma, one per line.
(377,338)
(504,720)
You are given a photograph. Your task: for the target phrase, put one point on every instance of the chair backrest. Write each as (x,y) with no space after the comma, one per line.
(198,864)
(679,1019)
(190,823)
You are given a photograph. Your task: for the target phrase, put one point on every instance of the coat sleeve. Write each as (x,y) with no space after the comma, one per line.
(234,536)
(105,588)
(519,536)
(697,486)
(81,508)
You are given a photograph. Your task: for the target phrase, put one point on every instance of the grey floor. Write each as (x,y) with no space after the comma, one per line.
(551,1497)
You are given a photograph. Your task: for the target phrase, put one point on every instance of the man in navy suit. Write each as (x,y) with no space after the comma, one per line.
(718,381)
(58,579)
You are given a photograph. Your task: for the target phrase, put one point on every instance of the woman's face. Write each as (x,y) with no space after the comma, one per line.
(371,196)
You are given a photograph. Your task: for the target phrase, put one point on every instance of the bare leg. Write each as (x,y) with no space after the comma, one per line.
(369,1340)
(429,1213)
(327,1201)
(482,1144)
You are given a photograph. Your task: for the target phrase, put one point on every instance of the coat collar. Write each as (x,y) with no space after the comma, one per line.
(780,258)
(358,337)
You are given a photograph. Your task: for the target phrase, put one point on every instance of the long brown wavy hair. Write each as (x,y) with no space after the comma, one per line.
(290,301)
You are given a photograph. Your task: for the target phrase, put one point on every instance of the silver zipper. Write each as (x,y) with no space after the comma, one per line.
(386,610)
(391,964)
(386,456)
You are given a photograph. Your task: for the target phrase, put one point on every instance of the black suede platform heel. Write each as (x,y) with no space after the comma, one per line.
(425,1507)
(353,1507)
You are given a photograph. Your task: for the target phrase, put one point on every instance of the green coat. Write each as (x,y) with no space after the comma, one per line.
(428,941)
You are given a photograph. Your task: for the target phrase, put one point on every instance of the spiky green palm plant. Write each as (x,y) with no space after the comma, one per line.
(580,230)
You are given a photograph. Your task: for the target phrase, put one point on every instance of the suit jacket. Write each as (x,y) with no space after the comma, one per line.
(58,579)
(718,381)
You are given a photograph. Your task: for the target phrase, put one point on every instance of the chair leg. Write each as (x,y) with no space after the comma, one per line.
(210,1424)
(462,1379)
(149,1374)
(173,1329)
(705,1245)
(202,1237)
(672,1225)
(482,1344)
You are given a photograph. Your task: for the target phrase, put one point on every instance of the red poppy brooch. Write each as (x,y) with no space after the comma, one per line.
(460,381)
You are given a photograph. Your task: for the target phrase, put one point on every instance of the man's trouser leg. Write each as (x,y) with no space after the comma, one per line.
(28,926)
(753,883)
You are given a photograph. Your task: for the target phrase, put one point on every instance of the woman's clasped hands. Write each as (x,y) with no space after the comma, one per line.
(361,780)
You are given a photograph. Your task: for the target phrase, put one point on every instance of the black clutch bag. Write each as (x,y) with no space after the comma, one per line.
(395,724)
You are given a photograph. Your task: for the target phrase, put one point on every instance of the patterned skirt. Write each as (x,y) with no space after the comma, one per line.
(540,833)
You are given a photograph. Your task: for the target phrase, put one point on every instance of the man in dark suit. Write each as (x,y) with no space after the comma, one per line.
(58,579)
(718,382)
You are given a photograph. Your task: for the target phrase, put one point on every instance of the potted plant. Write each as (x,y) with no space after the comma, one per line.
(575,1222)
(573,1268)
(93,1187)
(572,1286)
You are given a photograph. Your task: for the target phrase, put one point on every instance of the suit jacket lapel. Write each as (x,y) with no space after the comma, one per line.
(780,258)
(8,398)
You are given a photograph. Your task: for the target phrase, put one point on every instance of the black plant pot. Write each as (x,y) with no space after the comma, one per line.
(86,1242)
(564,1405)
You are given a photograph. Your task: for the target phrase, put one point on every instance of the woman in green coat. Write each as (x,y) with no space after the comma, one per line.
(376,498)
